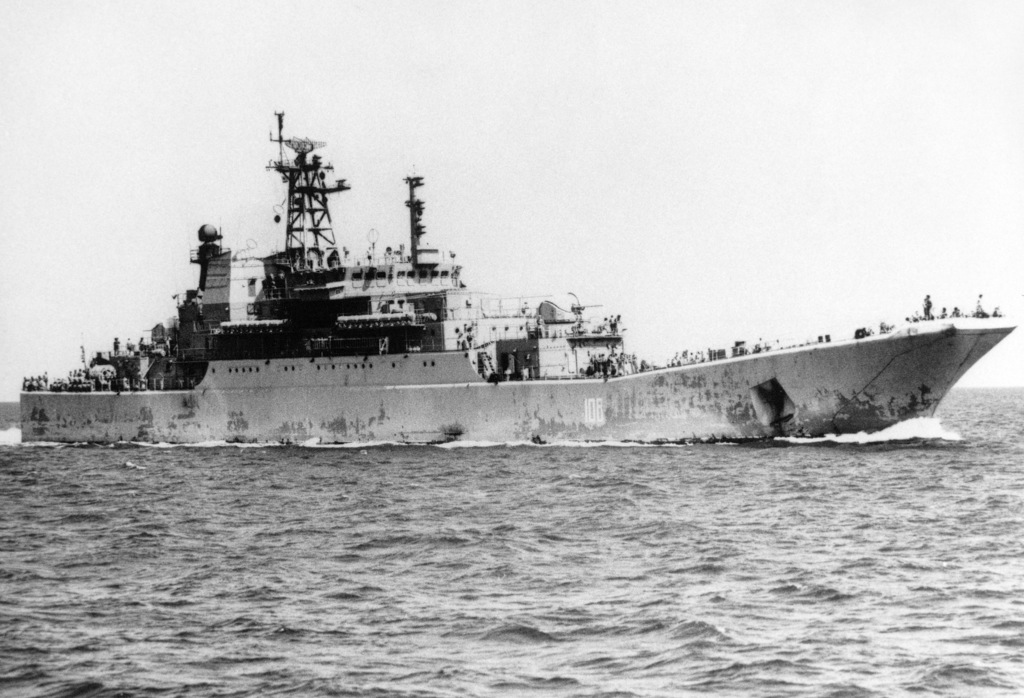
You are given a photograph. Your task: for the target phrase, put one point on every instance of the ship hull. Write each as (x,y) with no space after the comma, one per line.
(841,387)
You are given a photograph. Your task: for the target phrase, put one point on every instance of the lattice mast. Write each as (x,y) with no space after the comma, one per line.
(308,231)
(416,227)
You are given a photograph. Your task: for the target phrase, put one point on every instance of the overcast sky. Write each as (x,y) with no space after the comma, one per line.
(712,171)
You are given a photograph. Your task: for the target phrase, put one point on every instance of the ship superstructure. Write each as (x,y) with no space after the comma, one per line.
(316,300)
(317,342)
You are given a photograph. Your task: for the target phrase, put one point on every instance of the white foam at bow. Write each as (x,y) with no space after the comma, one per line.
(920,428)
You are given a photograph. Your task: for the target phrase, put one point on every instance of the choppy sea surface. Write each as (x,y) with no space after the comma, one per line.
(853,566)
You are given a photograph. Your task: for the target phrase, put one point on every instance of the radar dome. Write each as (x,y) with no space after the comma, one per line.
(208,233)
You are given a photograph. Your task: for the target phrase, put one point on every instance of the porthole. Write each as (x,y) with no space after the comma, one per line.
(393,364)
(431,363)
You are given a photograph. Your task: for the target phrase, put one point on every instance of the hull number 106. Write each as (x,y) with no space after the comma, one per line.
(593,411)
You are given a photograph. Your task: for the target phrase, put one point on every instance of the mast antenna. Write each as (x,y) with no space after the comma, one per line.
(280,133)
(416,227)
(309,236)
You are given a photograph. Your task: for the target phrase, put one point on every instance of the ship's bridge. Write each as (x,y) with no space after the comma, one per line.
(383,275)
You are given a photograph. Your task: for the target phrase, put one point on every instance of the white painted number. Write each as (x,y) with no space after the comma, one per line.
(593,410)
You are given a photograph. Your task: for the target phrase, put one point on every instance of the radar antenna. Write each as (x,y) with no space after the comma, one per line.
(309,236)
(303,145)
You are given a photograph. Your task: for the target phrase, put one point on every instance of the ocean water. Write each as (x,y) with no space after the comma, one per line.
(857,566)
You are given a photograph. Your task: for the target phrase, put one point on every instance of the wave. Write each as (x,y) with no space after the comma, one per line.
(554,444)
(315,443)
(207,444)
(927,428)
(518,633)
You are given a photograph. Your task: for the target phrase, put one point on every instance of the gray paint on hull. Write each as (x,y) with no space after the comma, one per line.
(845,387)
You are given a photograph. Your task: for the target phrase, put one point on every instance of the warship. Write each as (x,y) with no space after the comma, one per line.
(316,344)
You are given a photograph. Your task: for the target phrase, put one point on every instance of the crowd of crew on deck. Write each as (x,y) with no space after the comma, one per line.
(612,365)
(34,383)
(97,378)
(104,375)
(979,312)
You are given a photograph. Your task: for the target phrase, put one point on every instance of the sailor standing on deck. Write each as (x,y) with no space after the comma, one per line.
(928,307)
